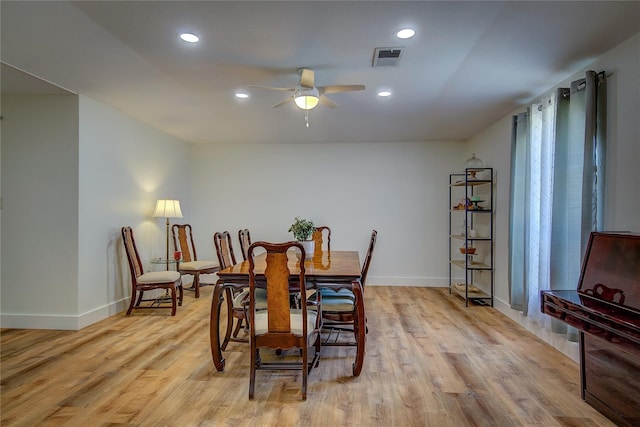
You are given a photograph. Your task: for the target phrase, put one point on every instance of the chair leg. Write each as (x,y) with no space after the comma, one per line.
(227,335)
(318,348)
(252,373)
(196,284)
(356,326)
(132,303)
(139,298)
(305,371)
(238,327)
(180,293)
(174,304)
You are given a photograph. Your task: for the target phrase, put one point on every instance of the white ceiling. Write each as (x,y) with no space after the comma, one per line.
(469,64)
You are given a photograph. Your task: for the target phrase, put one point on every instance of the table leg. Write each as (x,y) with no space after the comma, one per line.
(361,332)
(214,327)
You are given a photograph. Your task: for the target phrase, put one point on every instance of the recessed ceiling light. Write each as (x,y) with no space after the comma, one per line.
(405,33)
(189,37)
(384,93)
(242,95)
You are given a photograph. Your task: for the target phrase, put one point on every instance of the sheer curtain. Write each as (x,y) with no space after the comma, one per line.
(541,154)
(558,163)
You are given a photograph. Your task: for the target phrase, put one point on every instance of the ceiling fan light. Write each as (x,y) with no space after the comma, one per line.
(306,99)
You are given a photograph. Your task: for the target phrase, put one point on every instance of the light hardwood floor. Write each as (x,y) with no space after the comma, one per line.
(430,362)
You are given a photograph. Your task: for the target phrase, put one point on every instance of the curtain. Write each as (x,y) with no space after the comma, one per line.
(558,150)
(578,203)
(541,154)
(517,212)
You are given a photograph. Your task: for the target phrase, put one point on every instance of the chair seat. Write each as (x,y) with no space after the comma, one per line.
(158,276)
(261,319)
(261,299)
(197,265)
(338,305)
(240,299)
(342,293)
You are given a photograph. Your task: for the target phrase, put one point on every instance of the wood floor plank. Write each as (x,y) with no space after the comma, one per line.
(430,361)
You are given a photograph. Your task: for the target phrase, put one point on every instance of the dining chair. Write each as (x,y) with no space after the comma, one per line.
(183,242)
(141,281)
(237,300)
(320,235)
(279,326)
(245,241)
(338,308)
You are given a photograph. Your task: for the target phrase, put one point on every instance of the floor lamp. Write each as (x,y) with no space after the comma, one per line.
(167,209)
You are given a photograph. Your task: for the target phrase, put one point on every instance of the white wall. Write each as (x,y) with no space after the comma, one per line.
(74,172)
(399,188)
(40,199)
(125,166)
(622,187)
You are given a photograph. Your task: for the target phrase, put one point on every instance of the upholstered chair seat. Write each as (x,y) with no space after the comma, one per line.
(241,299)
(197,265)
(346,305)
(295,316)
(158,276)
(342,293)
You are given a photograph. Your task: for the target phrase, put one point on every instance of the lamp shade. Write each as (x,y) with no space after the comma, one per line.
(167,209)
(306,99)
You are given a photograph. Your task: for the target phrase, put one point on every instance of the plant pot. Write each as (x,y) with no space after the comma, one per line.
(309,248)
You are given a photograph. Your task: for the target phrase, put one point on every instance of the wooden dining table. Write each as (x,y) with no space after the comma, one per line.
(327,269)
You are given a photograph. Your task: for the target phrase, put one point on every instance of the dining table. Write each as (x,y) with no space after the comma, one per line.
(326,269)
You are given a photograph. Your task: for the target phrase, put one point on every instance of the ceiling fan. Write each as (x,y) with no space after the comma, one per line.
(307,95)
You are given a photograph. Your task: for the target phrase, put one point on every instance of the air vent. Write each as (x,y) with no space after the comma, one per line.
(387,56)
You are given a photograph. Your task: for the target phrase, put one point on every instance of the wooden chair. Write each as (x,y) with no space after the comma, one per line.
(183,242)
(319,238)
(280,326)
(141,281)
(245,241)
(237,301)
(338,308)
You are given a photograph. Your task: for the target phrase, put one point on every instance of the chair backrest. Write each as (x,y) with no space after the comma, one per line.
(277,281)
(135,265)
(319,238)
(183,242)
(245,241)
(367,258)
(224,249)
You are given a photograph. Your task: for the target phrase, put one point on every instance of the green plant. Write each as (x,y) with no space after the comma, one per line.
(302,229)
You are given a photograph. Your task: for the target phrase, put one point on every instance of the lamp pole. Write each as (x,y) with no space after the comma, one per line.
(167,208)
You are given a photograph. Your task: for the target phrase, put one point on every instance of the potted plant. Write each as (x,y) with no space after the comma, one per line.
(302,230)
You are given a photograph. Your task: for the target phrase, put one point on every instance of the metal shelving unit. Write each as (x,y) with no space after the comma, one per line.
(471,203)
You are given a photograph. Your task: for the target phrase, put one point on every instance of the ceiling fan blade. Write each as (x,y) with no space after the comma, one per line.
(340,88)
(288,89)
(281,103)
(307,77)
(327,102)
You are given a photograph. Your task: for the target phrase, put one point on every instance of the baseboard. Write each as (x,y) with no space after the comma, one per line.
(427,282)
(61,321)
